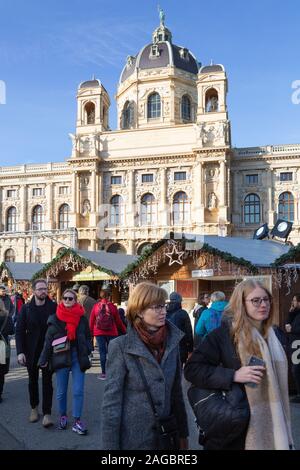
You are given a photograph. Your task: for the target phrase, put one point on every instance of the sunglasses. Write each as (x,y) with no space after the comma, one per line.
(69,298)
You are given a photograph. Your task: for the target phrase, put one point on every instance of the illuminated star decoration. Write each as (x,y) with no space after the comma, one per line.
(177,253)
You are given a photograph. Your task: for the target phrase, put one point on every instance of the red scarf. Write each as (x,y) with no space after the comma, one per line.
(70,315)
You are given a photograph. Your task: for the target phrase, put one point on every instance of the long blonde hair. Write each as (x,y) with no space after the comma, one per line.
(241,325)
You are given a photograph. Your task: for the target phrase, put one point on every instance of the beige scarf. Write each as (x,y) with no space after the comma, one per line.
(270,423)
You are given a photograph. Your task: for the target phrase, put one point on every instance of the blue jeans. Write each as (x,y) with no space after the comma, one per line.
(103,342)
(62,380)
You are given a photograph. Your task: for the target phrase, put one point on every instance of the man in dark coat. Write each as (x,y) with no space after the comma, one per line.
(6,300)
(30,336)
(181,319)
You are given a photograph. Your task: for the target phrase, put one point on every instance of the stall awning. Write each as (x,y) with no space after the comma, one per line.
(91,275)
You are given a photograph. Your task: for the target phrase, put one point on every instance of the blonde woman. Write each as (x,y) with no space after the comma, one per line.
(223,359)
(151,344)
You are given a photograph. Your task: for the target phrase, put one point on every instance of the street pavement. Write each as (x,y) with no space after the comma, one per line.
(16,433)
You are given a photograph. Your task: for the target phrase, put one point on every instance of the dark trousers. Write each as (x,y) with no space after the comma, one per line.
(33,386)
(103,342)
(296,375)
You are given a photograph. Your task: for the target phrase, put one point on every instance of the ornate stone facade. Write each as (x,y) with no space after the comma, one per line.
(168,167)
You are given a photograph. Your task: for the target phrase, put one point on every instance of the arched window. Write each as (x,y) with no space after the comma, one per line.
(9,256)
(252,209)
(211,101)
(154,106)
(37,218)
(148,209)
(141,249)
(64,217)
(186,108)
(127,115)
(37,257)
(181,208)
(60,250)
(117,248)
(11,220)
(286,206)
(116,210)
(89,113)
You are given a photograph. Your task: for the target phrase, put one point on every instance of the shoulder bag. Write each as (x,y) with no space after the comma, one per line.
(61,353)
(219,414)
(166,428)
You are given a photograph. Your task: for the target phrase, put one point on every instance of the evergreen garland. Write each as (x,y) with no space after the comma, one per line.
(206,247)
(291,255)
(146,254)
(77,256)
(230,258)
(3,266)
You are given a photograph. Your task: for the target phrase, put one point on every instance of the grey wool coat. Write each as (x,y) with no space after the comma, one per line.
(127,419)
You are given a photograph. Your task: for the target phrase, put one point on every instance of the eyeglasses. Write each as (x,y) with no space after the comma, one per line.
(158,308)
(69,298)
(42,288)
(256,301)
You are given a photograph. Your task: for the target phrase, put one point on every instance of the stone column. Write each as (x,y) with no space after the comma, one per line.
(49,197)
(75,190)
(131,247)
(93,199)
(93,191)
(78,199)
(163,215)
(197,214)
(24,222)
(223,203)
(131,209)
(271,212)
(223,184)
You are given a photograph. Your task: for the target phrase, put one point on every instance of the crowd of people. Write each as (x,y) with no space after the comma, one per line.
(144,352)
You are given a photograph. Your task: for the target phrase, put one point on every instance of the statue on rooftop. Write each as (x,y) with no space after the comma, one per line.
(161,16)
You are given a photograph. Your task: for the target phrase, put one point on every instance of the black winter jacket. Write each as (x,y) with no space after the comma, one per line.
(57,329)
(181,319)
(6,329)
(212,366)
(31,329)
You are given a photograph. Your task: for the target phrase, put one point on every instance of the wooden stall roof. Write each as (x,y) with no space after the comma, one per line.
(246,252)
(110,263)
(20,271)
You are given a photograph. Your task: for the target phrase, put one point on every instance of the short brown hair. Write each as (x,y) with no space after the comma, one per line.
(143,296)
(37,281)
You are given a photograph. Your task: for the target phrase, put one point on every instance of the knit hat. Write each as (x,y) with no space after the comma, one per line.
(175,297)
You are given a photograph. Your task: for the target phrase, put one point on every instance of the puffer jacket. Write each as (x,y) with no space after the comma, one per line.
(212,366)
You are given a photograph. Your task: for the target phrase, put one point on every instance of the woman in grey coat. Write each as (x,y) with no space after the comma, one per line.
(127,418)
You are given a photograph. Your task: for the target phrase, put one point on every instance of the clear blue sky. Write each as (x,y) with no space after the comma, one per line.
(48,47)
